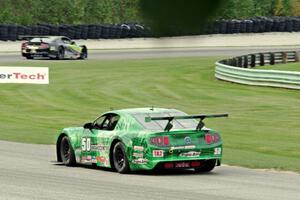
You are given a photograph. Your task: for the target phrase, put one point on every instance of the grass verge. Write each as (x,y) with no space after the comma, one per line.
(295,66)
(262,131)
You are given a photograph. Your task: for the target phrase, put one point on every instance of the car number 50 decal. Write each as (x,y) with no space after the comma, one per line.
(86,144)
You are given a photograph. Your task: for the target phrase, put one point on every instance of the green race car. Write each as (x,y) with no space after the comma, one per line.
(142,139)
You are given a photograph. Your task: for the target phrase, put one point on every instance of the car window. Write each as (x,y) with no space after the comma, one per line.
(98,122)
(66,40)
(113,122)
(107,122)
(42,39)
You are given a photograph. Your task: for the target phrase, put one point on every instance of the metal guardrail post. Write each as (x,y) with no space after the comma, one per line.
(246,61)
(262,59)
(284,57)
(253,60)
(272,58)
(240,62)
(296,56)
(234,62)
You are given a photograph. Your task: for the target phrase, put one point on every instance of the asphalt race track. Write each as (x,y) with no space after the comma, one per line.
(158,53)
(29,172)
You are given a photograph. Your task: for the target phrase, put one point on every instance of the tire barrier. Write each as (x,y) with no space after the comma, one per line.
(256,25)
(91,31)
(240,70)
(253,25)
(133,30)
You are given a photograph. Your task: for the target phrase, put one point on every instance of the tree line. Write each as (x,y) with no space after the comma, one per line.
(245,9)
(27,12)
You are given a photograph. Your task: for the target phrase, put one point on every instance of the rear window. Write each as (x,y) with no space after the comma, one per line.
(46,40)
(160,125)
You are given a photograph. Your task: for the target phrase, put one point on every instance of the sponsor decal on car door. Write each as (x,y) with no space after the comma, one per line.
(103,139)
(86,144)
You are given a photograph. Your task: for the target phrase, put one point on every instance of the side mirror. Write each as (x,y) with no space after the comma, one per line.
(88,126)
(73,43)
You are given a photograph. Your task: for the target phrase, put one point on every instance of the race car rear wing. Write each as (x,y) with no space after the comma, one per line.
(29,37)
(200,125)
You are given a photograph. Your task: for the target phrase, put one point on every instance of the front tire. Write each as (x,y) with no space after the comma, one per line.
(67,152)
(207,166)
(84,53)
(120,160)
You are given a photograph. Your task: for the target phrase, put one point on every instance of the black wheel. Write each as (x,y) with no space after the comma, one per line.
(60,53)
(206,166)
(29,57)
(84,53)
(67,152)
(120,159)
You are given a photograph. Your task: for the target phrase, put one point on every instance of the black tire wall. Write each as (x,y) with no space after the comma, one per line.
(133,30)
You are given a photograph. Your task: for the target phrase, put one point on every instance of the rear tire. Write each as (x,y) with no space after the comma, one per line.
(29,57)
(120,160)
(67,152)
(60,53)
(207,166)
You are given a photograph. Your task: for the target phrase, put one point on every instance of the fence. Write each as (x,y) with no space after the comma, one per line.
(239,70)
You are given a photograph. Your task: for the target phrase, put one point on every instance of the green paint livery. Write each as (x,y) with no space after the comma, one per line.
(142,139)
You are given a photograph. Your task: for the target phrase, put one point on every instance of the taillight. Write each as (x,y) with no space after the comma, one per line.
(24,45)
(44,46)
(211,138)
(160,141)
(166,141)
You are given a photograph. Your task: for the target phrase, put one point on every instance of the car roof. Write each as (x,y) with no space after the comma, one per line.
(147,110)
(129,115)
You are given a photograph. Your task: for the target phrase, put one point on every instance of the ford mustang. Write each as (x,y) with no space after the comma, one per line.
(142,139)
(55,47)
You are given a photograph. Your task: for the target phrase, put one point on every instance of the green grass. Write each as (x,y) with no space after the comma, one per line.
(284,67)
(262,130)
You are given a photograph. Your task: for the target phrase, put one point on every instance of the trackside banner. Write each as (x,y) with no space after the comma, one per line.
(31,75)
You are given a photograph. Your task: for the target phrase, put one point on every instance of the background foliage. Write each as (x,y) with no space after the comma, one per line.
(27,12)
(118,11)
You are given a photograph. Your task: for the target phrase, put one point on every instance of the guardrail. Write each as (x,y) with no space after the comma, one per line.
(239,70)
